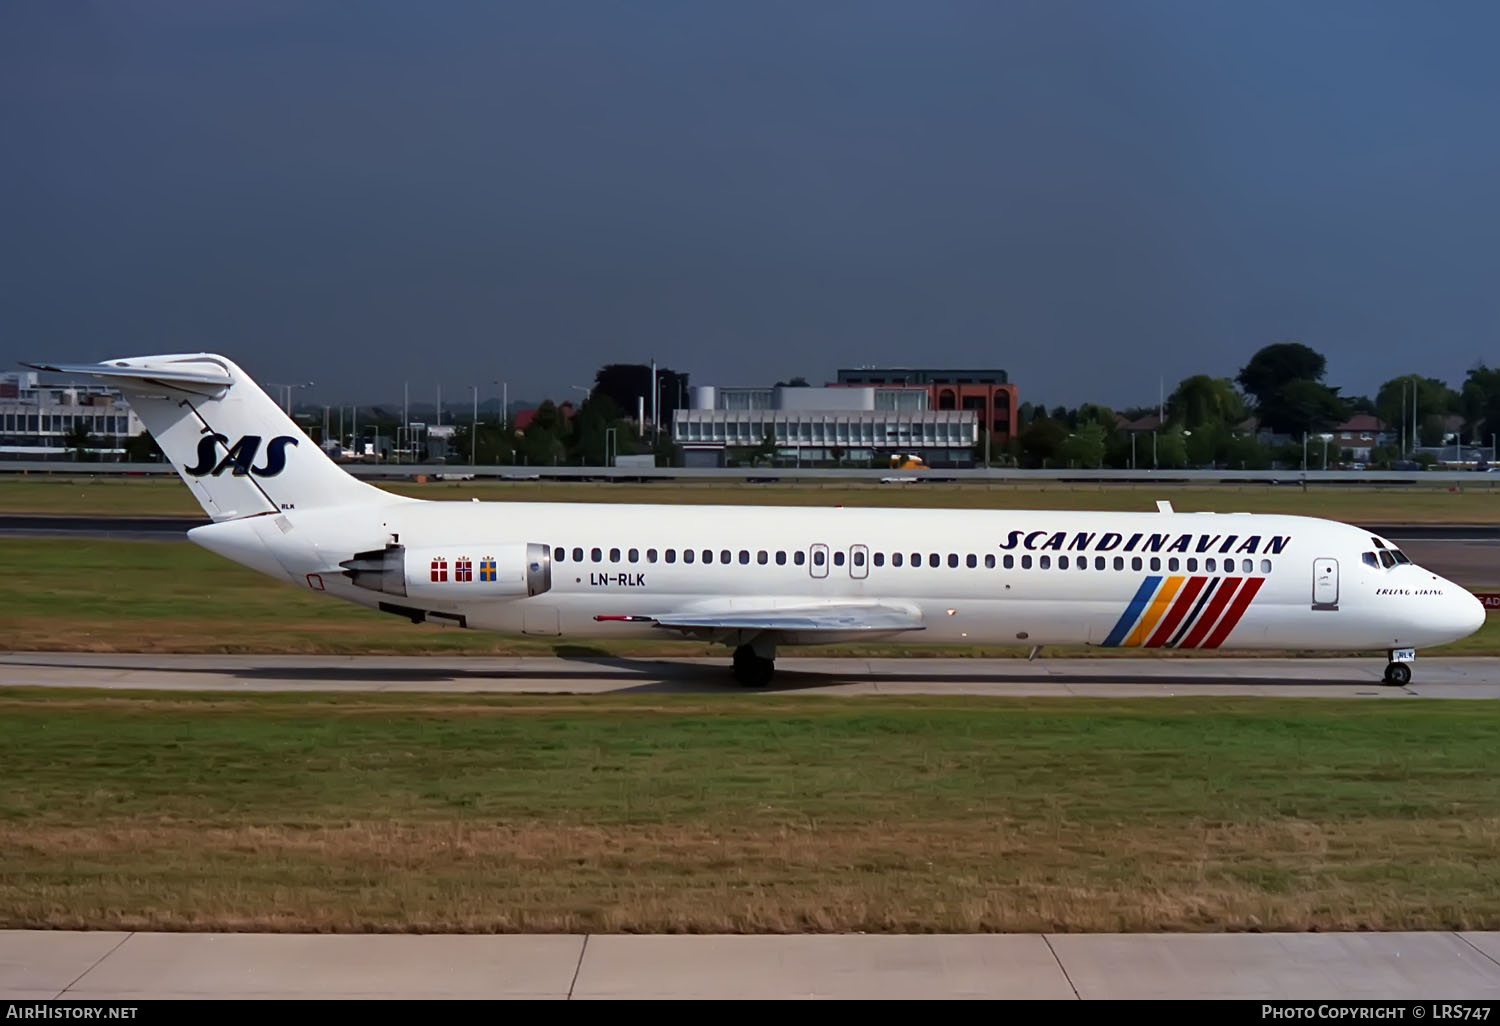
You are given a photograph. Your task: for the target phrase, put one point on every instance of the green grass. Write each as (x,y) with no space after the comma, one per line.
(1411,503)
(172,596)
(764,814)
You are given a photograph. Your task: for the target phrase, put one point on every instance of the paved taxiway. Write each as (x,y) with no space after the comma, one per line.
(1438,966)
(1433,677)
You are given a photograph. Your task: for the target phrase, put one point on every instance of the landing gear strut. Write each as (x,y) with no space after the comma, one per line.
(1398,671)
(753,670)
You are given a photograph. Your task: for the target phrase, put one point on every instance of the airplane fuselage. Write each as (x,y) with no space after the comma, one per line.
(1132,580)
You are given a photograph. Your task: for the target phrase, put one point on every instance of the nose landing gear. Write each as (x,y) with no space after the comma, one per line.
(1398,671)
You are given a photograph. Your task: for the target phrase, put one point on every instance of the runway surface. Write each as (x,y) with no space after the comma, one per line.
(1434,677)
(1437,966)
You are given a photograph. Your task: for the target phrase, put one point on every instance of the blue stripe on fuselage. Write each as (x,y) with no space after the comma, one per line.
(1133,612)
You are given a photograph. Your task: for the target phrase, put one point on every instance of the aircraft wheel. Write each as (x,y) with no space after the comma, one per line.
(750,669)
(1398,674)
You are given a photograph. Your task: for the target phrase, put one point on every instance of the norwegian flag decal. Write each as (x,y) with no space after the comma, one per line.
(463,569)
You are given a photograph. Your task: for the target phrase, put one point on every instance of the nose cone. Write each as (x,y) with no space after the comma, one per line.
(1468,612)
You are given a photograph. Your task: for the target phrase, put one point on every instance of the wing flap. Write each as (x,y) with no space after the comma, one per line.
(812,618)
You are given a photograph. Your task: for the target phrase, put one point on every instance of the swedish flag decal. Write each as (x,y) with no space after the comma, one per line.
(487,569)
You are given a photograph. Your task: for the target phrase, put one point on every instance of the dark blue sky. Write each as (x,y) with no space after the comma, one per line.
(1090,195)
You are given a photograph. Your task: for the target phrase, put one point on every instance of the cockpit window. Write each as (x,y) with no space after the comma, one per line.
(1386,559)
(1370,560)
(1400,556)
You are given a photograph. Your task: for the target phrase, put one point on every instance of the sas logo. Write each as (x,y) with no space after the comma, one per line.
(239,459)
(1183,612)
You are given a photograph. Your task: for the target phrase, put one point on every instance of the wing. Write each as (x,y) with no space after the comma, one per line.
(851,617)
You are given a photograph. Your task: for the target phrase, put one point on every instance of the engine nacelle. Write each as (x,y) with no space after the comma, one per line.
(454,573)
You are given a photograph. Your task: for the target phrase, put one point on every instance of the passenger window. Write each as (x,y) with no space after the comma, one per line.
(578,555)
(780,557)
(596,554)
(614,555)
(724,556)
(1192,565)
(651,555)
(672,555)
(879,559)
(1135,562)
(953,559)
(1026,562)
(934,559)
(1265,566)
(1009,561)
(744,556)
(859,559)
(761,557)
(1247,565)
(1155,563)
(558,554)
(838,558)
(1045,563)
(1062,562)
(635,555)
(799,557)
(895,559)
(972,561)
(1098,562)
(1210,565)
(1119,562)
(1172,564)
(818,558)
(989,560)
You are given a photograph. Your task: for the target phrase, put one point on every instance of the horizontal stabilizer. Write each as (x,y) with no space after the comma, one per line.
(146,375)
(849,617)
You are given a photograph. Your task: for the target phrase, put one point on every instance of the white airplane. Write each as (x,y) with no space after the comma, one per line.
(753,578)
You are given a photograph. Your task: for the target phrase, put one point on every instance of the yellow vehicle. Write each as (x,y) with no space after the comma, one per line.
(908,461)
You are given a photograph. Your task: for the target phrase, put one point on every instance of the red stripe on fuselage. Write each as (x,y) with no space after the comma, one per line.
(1232,618)
(1179,609)
(1227,587)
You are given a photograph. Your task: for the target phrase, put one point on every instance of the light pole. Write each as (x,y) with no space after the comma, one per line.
(287,391)
(474,430)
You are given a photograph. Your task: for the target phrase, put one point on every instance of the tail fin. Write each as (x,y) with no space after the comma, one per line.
(229,441)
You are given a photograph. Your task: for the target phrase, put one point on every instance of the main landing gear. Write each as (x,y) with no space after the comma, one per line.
(1398,671)
(754,670)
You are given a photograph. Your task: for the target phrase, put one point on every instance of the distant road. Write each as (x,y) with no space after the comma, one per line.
(177,526)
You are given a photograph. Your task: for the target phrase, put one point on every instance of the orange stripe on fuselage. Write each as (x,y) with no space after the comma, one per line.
(1153,612)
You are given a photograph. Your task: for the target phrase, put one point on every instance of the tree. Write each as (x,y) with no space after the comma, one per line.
(1201,400)
(1393,403)
(1481,402)
(1286,381)
(1040,442)
(1085,447)
(1171,448)
(629,383)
